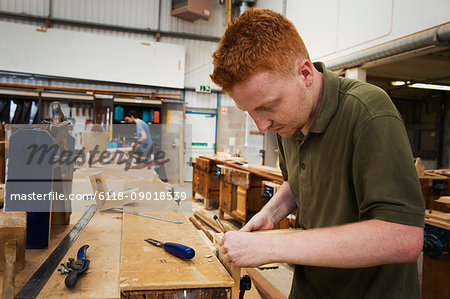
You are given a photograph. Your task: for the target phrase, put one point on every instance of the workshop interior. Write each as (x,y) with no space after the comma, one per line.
(123,165)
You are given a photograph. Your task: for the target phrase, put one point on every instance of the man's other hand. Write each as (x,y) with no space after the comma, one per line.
(259,221)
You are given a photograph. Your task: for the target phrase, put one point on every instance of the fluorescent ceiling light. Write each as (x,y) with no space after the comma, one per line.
(430,86)
(67,96)
(398,83)
(137,101)
(420,85)
(19,93)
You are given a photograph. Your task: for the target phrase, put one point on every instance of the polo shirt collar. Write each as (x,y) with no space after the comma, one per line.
(330,98)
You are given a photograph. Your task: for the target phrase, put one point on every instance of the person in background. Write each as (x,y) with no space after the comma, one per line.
(143,147)
(346,162)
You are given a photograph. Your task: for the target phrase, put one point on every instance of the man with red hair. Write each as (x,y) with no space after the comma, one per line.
(346,163)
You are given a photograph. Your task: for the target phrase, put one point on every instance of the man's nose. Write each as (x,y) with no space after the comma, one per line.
(263,124)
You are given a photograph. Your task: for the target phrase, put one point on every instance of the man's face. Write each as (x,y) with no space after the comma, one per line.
(280,103)
(129,119)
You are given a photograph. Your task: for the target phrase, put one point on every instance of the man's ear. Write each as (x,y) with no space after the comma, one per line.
(305,71)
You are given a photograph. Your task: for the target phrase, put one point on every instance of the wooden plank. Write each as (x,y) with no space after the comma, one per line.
(10,250)
(438,215)
(444,172)
(13,226)
(444,199)
(208,219)
(145,267)
(201,227)
(436,174)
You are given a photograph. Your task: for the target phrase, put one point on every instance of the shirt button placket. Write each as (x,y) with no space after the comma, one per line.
(303,147)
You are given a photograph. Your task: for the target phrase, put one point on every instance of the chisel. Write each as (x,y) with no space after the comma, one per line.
(178,250)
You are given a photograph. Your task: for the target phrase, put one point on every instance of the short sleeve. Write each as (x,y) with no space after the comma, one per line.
(139,129)
(281,158)
(385,179)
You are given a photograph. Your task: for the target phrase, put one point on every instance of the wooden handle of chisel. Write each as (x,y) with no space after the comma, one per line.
(10,264)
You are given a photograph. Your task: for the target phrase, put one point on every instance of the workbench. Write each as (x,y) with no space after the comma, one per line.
(240,187)
(434,184)
(121,263)
(205,181)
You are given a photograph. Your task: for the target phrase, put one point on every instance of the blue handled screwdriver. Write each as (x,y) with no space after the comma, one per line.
(178,250)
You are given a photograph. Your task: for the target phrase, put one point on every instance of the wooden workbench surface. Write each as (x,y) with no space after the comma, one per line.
(260,171)
(144,266)
(102,234)
(147,267)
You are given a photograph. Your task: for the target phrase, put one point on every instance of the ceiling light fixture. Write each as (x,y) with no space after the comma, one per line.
(398,83)
(430,86)
(420,85)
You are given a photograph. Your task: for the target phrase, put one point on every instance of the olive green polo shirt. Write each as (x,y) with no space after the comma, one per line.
(354,164)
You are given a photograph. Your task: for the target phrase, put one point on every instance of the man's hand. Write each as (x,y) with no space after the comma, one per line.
(245,249)
(278,207)
(135,145)
(262,220)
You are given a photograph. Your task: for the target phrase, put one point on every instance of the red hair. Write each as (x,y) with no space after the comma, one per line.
(259,40)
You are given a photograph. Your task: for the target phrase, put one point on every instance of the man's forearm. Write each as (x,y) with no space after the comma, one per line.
(355,245)
(143,137)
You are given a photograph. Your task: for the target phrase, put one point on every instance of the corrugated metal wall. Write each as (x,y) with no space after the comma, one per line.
(142,14)
(38,7)
(128,13)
